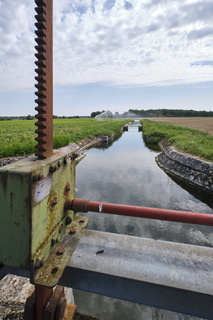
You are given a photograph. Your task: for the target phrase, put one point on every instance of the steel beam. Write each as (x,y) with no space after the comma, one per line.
(172,276)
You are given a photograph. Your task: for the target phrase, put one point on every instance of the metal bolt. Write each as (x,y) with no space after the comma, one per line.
(38,177)
(53,169)
(60,251)
(74,156)
(68,220)
(39,263)
(72,231)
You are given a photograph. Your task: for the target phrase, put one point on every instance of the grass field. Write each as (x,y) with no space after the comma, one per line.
(197,123)
(17,136)
(182,135)
(192,135)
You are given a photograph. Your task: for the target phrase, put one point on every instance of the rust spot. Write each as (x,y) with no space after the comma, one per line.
(51,218)
(53,202)
(67,189)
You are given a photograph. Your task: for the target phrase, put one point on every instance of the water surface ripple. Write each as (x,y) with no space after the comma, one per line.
(126,173)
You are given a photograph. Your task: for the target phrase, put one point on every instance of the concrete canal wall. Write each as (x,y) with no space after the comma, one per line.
(186,167)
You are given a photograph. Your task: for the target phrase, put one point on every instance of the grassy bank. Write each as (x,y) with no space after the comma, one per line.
(17,136)
(188,140)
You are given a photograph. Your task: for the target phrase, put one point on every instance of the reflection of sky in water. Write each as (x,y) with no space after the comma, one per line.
(127,173)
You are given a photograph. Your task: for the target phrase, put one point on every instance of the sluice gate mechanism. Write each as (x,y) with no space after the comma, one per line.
(43,237)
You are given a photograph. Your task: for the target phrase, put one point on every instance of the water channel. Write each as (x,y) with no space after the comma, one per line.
(125,172)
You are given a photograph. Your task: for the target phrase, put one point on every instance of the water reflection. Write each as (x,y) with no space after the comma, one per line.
(200,194)
(126,173)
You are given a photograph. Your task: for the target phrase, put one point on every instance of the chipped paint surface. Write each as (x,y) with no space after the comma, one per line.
(51,271)
(32,214)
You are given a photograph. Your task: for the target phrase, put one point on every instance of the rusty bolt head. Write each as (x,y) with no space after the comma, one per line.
(60,251)
(66,189)
(72,231)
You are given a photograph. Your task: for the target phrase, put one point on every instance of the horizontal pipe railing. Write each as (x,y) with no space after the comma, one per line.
(83,205)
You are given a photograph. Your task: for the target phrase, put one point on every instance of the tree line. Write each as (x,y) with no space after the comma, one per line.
(170,113)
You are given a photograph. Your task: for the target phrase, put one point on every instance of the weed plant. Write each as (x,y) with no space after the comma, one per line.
(188,140)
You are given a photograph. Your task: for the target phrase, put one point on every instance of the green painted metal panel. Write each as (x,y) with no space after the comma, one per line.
(15,218)
(32,215)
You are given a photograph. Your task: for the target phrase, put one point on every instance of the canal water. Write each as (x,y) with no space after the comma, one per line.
(126,172)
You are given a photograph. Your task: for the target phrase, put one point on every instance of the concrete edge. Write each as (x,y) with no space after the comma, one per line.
(192,170)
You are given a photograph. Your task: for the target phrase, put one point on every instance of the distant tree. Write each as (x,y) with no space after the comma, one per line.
(95,113)
(171,113)
(29,117)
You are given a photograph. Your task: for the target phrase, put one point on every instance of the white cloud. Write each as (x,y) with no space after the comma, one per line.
(114,41)
(16,46)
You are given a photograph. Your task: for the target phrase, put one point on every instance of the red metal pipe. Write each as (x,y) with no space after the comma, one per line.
(83,205)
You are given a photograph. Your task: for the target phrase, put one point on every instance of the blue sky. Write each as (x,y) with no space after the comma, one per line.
(111,54)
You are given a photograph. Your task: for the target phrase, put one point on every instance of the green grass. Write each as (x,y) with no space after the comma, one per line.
(192,141)
(17,136)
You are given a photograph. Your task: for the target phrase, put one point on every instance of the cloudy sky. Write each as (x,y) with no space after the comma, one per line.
(111,54)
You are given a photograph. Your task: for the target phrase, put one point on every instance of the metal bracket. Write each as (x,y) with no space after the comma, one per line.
(51,271)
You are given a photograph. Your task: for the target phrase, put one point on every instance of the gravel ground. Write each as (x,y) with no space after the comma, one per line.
(14,291)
